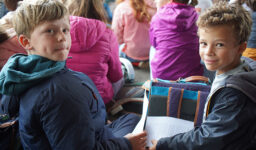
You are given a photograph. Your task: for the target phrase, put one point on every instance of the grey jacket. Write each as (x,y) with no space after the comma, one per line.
(231,122)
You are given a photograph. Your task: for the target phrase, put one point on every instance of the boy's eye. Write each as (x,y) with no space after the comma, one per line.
(203,43)
(50,31)
(219,44)
(65,30)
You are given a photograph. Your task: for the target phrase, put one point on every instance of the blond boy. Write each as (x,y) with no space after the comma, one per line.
(57,108)
(230,121)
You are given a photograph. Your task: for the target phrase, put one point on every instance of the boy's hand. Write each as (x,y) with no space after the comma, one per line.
(154,142)
(138,141)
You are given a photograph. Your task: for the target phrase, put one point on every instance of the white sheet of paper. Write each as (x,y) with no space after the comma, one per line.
(159,127)
(140,126)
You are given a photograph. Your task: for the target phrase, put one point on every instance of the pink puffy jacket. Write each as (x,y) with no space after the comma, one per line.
(94,51)
(131,32)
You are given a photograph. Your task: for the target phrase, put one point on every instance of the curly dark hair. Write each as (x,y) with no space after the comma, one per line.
(223,13)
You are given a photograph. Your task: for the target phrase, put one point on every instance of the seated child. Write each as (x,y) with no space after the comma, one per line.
(230,111)
(94,49)
(173,33)
(57,108)
(131,24)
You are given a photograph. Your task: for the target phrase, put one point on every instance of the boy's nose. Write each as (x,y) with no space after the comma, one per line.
(209,50)
(61,36)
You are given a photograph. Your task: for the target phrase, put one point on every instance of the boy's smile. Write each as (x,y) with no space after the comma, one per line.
(219,49)
(50,39)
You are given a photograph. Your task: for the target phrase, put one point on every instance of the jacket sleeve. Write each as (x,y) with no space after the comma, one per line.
(114,71)
(152,37)
(67,123)
(220,129)
(118,24)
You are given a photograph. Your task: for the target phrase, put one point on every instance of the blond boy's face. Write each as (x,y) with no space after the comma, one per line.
(219,50)
(50,39)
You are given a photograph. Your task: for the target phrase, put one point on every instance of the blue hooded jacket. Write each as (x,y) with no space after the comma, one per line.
(58,108)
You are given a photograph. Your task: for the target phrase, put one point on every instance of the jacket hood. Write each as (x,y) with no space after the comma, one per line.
(179,17)
(21,72)
(85,33)
(245,81)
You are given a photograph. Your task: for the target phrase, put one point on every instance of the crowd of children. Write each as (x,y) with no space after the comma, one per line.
(60,69)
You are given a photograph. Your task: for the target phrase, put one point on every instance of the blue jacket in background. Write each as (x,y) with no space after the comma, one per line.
(3,9)
(252,39)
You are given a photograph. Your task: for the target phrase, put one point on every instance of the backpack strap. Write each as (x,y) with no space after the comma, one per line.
(174,102)
(201,100)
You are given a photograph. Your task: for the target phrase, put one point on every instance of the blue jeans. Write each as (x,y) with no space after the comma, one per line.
(123,55)
(124,125)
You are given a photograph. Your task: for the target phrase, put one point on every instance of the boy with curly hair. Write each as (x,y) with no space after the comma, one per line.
(229,120)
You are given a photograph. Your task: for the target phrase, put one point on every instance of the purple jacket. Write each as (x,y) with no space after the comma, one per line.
(173,32)
(94,51)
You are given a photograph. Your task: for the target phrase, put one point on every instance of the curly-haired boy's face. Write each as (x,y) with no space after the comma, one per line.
(219,49)
(50,39)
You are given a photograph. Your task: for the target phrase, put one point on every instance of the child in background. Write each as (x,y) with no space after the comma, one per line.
(131,24)
(173,33)
(231,107)
(251,44)
(94,49)
(92,9)
(57,108)
(9,44)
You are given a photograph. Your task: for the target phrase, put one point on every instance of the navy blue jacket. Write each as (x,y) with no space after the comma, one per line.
(63,112)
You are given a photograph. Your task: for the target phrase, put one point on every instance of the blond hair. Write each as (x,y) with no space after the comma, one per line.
(233,15)
(31,13)
(87,8)
(140,9)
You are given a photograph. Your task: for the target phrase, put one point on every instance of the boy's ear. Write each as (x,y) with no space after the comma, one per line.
(242,47)
(25,42)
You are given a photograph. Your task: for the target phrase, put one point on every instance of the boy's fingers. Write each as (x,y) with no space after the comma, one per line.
(142,134)
(154,142)
(143,140)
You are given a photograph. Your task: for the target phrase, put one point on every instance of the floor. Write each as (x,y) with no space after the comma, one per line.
(141,75)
